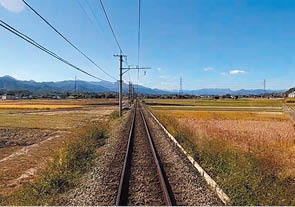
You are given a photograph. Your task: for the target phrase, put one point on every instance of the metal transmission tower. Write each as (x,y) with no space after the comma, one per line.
(264,85)
(121,78)
(180,86)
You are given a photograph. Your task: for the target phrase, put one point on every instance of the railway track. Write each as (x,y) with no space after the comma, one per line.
(142,179)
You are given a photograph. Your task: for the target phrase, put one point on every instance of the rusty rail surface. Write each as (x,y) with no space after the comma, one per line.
(122,196)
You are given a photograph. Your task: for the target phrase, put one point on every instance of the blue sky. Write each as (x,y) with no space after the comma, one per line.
(210,43)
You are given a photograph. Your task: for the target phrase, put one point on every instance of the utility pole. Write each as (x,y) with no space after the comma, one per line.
(121,78)
(120,82)
(130,91)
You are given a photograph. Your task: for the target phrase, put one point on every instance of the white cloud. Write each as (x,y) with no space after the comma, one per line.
(13,5)
(233,72)
(208,69)
(159,69)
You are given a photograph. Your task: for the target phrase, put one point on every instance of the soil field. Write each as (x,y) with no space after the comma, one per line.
(31,132)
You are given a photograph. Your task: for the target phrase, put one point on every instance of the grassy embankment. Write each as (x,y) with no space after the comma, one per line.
(256,173)
(65,168)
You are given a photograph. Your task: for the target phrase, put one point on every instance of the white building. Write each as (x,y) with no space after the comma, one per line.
(291,95)
(8,97)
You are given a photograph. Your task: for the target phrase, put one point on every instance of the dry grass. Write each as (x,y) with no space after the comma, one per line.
(58,102)
(39,107)
(213,115)
(68,164)
(251,155)
(272,136)
(20,160)
(62,120)
(222,102)
(220,108)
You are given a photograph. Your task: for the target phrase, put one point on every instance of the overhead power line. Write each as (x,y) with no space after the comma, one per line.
(67,40)
(110,25)
(138,32)
(88,16)
(138,40)
(34,43)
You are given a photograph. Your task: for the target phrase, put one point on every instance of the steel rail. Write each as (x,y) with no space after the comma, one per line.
(122,196)
(159,169)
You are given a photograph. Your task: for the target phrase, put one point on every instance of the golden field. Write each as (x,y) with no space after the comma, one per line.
(251,154)
(38,106)
(221,102)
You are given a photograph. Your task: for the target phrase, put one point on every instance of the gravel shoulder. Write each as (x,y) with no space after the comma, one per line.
(188,187)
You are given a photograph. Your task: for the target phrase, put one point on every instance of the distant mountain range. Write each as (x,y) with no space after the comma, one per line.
(223,91)
(9,83)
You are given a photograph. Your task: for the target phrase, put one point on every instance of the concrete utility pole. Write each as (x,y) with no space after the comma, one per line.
(120,82)
(130,92)
(121,78)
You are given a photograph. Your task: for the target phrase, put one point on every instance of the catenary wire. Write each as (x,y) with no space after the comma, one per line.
(67,40)
(138,40)
(34,43)
(110,25)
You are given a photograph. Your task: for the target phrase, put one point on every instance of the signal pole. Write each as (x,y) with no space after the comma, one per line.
(121,78)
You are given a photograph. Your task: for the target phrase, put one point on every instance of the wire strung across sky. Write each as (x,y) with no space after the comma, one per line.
(34,43)
(95,24)
(139,27)
(138,40)
(67,40)
(110,25)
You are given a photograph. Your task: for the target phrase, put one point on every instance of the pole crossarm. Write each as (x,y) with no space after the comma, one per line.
(121,69)
(135,68)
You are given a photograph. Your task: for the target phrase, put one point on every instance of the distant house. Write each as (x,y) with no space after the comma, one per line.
(291,95)
(71,97)
(8,97)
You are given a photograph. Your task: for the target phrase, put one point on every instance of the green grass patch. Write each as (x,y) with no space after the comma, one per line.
(244,176)
(68,164)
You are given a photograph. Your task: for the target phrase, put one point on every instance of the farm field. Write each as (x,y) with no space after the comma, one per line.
(249,152)
(32,131)
(221,102)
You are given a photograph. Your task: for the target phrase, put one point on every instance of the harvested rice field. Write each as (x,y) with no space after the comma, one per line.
(32,131)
